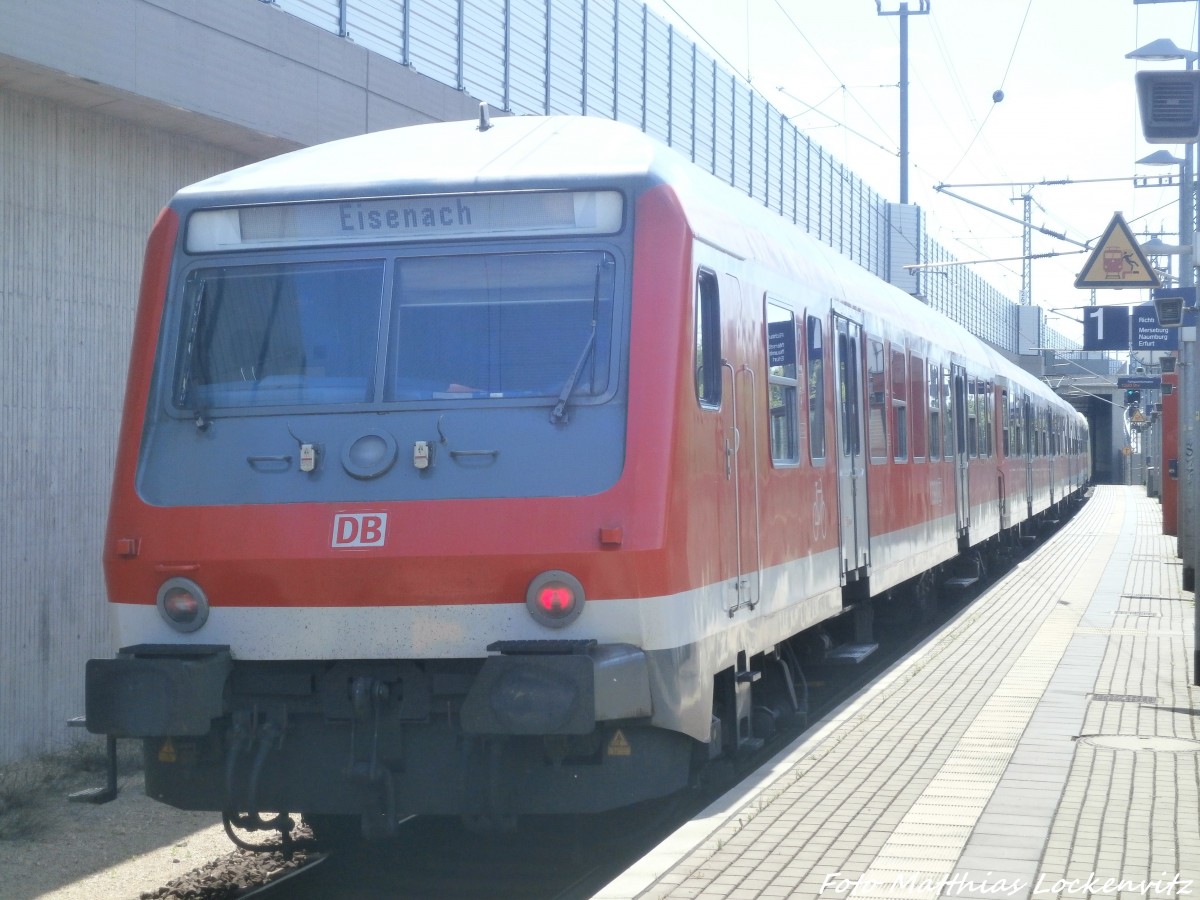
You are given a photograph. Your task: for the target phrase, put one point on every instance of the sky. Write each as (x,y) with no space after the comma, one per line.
(1068,112)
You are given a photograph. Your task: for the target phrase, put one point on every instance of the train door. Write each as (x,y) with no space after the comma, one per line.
(1003,454)
(1027,461)
(741,469)
(854,533)
(1052,437)
(961,452)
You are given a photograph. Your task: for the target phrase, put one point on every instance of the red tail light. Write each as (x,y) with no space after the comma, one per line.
(555,598)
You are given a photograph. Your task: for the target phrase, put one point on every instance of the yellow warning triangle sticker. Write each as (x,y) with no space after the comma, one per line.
(619,745)
(1117,261)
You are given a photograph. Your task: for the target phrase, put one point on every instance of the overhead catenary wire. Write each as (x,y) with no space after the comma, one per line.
(947,73)
(1003,80)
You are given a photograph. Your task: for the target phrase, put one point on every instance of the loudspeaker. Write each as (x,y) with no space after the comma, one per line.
(1169,309)
(1169,102)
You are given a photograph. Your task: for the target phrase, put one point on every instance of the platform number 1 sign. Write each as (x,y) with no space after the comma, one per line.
(1106,328)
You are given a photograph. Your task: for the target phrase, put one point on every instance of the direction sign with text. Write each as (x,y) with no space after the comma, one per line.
(1148,334)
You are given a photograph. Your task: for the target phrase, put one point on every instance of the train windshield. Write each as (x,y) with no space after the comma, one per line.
(280,335)
(459,327)
(502,325)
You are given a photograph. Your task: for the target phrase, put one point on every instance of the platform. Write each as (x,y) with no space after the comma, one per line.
(1043,744)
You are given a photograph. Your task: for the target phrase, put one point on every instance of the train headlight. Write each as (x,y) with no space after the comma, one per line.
(555,598)
(182,604)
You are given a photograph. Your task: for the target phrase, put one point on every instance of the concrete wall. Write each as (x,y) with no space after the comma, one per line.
(106,109)
(237,73)
(78,193)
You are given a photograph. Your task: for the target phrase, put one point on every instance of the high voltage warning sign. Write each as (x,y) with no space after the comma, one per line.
(1117,261)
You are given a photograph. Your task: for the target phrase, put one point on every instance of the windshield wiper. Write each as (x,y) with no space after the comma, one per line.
(559,413)
(189,344)
(189,358)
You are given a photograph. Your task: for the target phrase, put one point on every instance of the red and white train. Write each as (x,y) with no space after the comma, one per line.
(500,468)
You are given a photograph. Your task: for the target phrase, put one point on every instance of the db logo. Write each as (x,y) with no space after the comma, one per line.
(359,529)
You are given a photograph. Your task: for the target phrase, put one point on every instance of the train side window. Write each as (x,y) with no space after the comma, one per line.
(877,403)
(900,405)
(1031,426)
(981,411)
(986,399)
(1006,424)
(935,413)
(981,418)
(916,392)
(783,410)
(848,390)
(1030,429)
(816,390)
(708,340)
(948,417)
(1018,419)
(972,419)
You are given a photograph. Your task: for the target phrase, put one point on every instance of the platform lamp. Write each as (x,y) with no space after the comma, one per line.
(1156,246)
(1165,97)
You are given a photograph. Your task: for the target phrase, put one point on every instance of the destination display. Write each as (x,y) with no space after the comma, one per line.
(1139,382)
(393,219)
